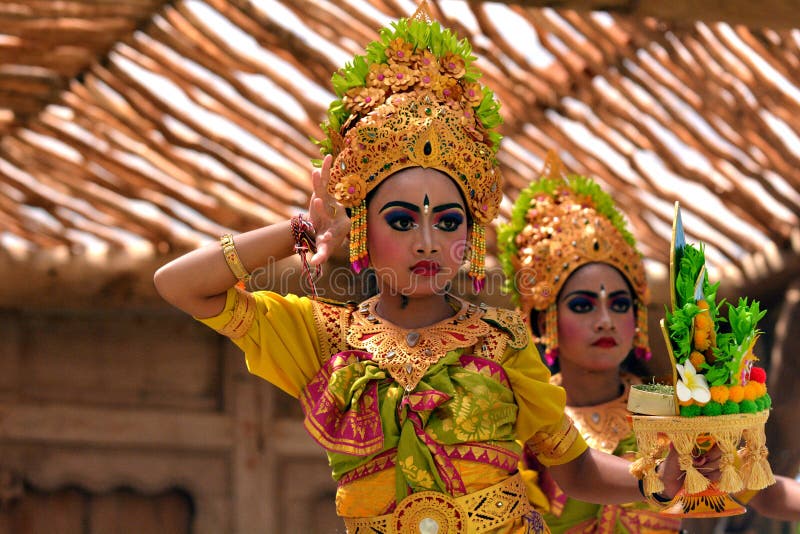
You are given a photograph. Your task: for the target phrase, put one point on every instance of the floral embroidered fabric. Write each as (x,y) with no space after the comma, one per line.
(425,394)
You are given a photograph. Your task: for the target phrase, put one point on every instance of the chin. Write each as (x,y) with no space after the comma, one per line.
(428,285)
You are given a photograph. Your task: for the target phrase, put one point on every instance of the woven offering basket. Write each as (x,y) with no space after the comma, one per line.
(672,414)
(744,468)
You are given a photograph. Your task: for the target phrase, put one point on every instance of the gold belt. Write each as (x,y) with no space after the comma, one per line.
(432,511)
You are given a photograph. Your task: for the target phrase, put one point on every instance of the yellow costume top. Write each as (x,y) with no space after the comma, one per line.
(440,409)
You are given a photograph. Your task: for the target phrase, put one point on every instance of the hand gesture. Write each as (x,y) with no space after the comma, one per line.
(328,217)
(708,463)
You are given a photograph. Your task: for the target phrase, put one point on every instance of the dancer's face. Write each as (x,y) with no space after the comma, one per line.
(596,323)
(416,232)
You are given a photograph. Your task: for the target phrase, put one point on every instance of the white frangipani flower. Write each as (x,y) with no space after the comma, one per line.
(691,385)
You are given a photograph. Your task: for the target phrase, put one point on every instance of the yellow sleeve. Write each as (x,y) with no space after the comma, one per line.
(541,422)
(276,333)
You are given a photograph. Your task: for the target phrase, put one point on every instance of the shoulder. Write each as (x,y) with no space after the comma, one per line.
(333,305)
(331,319)
(509,322)
(331,312)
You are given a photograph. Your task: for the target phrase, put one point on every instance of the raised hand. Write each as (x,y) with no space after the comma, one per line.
(328,217)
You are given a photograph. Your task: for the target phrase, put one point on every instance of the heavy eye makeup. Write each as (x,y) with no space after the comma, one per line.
(581,304)
(401,219)
(449,221)
(618,302)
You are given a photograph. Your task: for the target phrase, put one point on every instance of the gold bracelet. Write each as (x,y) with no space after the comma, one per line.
(232,258)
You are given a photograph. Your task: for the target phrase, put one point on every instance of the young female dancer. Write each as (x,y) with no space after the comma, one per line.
(419,398)
(580,282)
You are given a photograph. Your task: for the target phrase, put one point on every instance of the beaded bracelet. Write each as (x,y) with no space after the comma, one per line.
(232,258)
(304,242)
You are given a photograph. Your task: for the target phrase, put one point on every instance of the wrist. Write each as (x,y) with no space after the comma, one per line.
(657,497)
(304,237)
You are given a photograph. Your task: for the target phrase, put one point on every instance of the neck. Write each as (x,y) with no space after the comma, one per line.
(413,312)
(587,387)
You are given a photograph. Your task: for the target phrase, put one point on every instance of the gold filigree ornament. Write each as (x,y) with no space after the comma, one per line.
(433,512)
(408,354)
(430,512)
(605,425)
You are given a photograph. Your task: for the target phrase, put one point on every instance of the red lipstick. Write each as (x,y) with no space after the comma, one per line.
(426,268)
(605,342)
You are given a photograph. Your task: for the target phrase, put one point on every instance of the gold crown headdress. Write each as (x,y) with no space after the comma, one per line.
(414,101)
(560,223)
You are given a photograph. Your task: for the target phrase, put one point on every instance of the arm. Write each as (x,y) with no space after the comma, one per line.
(603,478)
(197,282)
(779,501)
(597,477)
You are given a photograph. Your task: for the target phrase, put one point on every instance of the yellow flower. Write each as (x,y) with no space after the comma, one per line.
(447,89)
(427,62)
(401,78)
(453,64)
(691,385)
(428,79)
(485,205)
(363,99)
(400,51)
(473,94)
(697,359)
(350,190)
(468,121)
(377,74)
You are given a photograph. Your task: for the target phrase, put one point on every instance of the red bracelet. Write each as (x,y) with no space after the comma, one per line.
(304,242)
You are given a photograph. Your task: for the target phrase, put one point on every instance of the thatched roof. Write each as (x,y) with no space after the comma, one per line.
(133,130)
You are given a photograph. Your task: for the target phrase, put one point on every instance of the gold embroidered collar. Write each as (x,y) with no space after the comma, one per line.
(604,425)
(408,354)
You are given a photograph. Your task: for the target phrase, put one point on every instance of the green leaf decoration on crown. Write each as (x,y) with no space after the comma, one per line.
(583,188)
(421,36)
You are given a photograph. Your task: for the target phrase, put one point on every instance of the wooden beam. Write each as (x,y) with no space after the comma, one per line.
(54,424)
(775,14)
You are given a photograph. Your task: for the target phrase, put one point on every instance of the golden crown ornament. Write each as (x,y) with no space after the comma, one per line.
(414,101)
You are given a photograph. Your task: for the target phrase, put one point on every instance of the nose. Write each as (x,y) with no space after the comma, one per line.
(427,244)
(604,321)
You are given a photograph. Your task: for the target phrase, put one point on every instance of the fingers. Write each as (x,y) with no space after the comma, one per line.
(323,249)
(321,176)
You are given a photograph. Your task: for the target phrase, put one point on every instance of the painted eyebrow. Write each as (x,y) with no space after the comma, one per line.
(596,295)
(415,208)
(444,207)
(401,204)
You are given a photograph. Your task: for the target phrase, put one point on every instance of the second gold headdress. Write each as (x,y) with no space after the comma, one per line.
(414,100)
(560,223)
